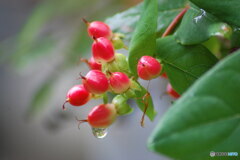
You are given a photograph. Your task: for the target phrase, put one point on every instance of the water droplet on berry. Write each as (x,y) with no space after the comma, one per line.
(99,132)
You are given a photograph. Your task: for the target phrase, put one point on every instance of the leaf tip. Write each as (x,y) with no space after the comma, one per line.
(151,144)
(153,116)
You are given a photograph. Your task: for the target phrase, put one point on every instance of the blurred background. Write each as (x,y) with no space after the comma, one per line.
(41,43)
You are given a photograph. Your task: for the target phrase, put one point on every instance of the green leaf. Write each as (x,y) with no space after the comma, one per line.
(126,21)
(143,41)
(206,118)
(183,64)
(198,26)
(213,45)
(151,113)
(167,11)
(226,10)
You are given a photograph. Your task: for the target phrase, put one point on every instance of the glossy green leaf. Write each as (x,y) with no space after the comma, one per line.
(198,26)
(206,118)
(143,41)
(183,64)
(167,11)
(151,113)
(126,21)
(226,10)
(214,45)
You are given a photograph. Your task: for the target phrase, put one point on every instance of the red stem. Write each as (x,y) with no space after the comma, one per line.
(95,39)
(85,21)
(175,22)
(80,121)
(145,107)
(63,106)
(85,61)
(81,76)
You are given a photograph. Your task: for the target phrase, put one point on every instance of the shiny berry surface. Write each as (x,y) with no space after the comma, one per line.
(148,68)
(93,65)
(171,91)
(102,50)
(102,116)
(99,29)
(119,82)
(96,82)
(164,75)
(78,95)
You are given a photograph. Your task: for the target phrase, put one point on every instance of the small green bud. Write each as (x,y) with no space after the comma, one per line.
(222,30)
(119,64)
(117,40)
(121,105)
(130,93)
(117,43)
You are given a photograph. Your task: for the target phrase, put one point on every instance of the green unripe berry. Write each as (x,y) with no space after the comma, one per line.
(130,93)
(134,86)
(117,41)
(121,105)
(119,64)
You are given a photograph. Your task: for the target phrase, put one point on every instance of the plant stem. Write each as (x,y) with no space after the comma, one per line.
(175,22)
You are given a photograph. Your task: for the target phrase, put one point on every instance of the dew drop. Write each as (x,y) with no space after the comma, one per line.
(198,18)
(99,132)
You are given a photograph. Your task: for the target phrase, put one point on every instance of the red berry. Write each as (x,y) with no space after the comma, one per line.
(164,75)
(148,68)
(77,96)
(98,29)
(102,116)
(102,50)
(119,82)
(171,91)
(95,82)
(93,65)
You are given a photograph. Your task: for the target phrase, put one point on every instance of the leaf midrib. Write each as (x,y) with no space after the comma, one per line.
(185,71)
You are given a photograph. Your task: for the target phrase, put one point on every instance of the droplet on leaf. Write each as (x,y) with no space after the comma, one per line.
(198,18)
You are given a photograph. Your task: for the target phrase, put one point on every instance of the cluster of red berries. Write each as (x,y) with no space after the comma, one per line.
(110,72)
